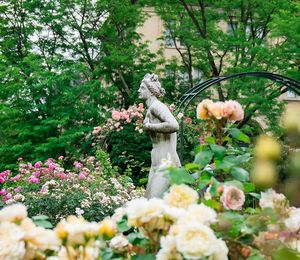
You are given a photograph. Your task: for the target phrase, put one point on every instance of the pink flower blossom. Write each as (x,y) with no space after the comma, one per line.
(141,107)
(20,159)
(116,115)
(188,120)
(61,158)
(7,197)
(96,130)
(16,178)
(77,165)
(232,198)
(62,175)
(2,192)
(203,109)
(82,176)
(18,189)
(33,179)
(234,110)
(117,124)
(38,164)
(36,174)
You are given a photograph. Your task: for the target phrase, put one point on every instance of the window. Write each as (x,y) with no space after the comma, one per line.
(231,27)
(291,94)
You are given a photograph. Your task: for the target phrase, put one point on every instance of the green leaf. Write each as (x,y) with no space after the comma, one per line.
(248,186)
(203,158)
(180,176)
(122,225)
(137,239)
(210,140)
(240,174)
(238,135)
(223,165)
(286,253)
(213,204)
(192,167)
(144,257)
(43,223)
(218,150)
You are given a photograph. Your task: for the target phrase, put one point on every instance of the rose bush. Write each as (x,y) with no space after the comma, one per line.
(48,188)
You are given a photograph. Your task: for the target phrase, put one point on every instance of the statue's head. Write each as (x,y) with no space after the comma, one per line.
(150,86)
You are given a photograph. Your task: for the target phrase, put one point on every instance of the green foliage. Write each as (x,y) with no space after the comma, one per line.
(60,71)
(130,151)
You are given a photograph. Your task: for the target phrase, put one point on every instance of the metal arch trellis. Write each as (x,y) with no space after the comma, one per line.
(187,98)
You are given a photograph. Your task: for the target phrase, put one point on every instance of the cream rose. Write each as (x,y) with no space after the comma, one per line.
(232,198)
(39,237)
(195,240)
(119,243)
(12,245)
(202,109)
(181,196)
(293,221)
(168,249)
(141,210)
(199,213)
(221,251)
(13,213)
(271,199)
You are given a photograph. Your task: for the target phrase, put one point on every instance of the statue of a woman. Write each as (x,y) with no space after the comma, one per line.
(162,127)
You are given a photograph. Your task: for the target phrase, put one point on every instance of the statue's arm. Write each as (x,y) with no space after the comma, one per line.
(168,122)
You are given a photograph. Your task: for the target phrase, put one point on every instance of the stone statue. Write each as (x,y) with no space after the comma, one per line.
(162,127)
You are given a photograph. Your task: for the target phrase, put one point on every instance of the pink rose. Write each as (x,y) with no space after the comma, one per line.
(117,124)
(38,164)
(188,120)
(233,110)
(77,165)
(7,197)
(141,107)
(232,198)
(18,189)
(20,159)
(115,115)
(61,158)
(82,176)
(2,192)
(16,178)
(216,109)
(36,174)
(33,179)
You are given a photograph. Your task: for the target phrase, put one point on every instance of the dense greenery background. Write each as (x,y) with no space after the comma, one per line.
(64,64)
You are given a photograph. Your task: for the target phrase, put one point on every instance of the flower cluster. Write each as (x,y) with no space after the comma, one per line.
(119,118)
(178,224)
(72,238)
(230,110)
(84,190)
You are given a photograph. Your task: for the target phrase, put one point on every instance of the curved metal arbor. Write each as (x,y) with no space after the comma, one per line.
(188,97)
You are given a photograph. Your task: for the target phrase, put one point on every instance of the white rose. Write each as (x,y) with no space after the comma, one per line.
(13,213)
(293,221)
(12,245)
(271,199)
(195,240)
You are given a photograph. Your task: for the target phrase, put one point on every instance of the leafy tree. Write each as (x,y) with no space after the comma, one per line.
(63,65)
(225,37)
